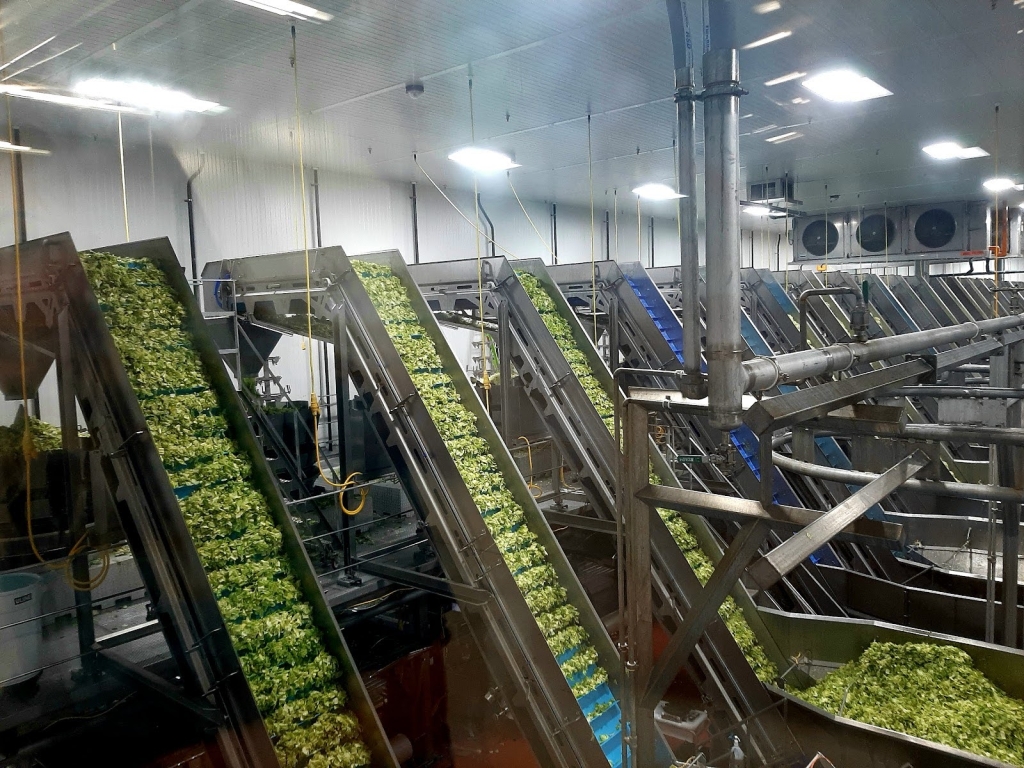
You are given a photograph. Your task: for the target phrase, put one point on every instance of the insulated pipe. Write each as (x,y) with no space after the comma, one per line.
(721,174)
(689,255)
(764,373)
(929,487)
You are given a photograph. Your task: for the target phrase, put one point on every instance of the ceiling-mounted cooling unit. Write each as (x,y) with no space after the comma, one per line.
(937,227)
(821,238)
(772,191)
(876,232)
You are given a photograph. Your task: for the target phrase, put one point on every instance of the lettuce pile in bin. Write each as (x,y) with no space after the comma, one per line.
(930,691)
(293,677)
(562,333)
(522,551)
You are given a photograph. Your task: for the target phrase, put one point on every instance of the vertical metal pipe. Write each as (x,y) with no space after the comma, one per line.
(689,250)
(317,231)
(554,233)
(607,235)
(415,227)
(721,169)
(650,245)
(19,188)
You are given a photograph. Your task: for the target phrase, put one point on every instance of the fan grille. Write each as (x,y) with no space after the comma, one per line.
(820,238)
(876,233)
(935,228)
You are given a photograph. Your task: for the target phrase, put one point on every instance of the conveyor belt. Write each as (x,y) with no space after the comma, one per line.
(586,444)
(563,731)
(133,351)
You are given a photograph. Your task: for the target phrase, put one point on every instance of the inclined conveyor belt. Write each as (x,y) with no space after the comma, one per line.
(489,581)
(146,373)
(586,444)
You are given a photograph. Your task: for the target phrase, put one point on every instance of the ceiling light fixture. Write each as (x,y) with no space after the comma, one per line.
(756,210)
(1001,184)
(845,85)
(785,78)
(152,98)
(6,146)
(784,137)
(14,74)
(289,8)
(23,92)
(483,160)
(21,56)
(770,39)
(771,5)
(950,150)
(800,100)
(657,192)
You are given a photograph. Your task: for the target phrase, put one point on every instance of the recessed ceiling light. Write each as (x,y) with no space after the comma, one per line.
(483,160)
(1001,184)
(785,78)
(6,146)
(21,56)
(757,210)
(801,100)
(771,5)
(845,85)
(288,8)
(784,137)
(146,96)
(770,39)
(23,92)
(950,150)
(769,127)
(657,192)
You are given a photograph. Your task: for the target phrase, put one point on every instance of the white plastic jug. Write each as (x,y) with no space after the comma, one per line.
(20,607)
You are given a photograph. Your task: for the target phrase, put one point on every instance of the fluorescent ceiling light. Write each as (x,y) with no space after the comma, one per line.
(765,129)
(21,56)
(146,96)
(784,137)
(6,146)
(771,5)
(757,210)
(770,39)
(950,150)
(288,8)
(1001,185)
(786,78)
(800,100)
(657,192)
(483,160)
(23,92)
(845,85)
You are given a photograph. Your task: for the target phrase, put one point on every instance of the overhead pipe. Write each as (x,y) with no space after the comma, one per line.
(929,487)
(767,372)
(192,223)
(721,173)
(962,393)
(802,302)
(689,250)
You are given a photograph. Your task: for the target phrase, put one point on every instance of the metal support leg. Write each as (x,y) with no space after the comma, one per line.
(346,460)
(75,502)
(705,609)
(505,371)
(638,583)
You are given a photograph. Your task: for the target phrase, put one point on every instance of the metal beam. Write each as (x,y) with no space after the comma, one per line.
(782,518)
(463,593)
(570,520)
(957,392)
(800,405)
(704,609)
(788,555)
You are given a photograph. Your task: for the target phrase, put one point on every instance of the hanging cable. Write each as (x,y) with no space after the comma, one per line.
(615,202)
(458,210)
(547,247)
(124,186)
(593,255)
(995,157)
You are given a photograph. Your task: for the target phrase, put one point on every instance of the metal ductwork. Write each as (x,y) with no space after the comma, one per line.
(689,251)
(721,172)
